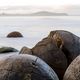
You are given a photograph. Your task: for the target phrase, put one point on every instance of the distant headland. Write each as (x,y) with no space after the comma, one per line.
(40,13)
(46,13)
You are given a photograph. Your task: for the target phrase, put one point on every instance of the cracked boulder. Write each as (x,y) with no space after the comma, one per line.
(73,71)
(52,55)
(25,67)
(14,34)
(70,43)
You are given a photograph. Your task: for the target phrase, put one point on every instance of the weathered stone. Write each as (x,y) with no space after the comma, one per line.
(25,67)
(50,53)
(73,71)
(59,49)
(70,43)
(25,50)
(7,49)
(14,34)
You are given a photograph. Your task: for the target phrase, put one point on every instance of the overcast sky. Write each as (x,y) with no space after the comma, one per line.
(66,6)
(56,3)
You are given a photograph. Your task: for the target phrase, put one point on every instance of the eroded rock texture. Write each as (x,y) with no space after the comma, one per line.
(50,53)
(70,43)
(73,71)
(25,67)
(58,50)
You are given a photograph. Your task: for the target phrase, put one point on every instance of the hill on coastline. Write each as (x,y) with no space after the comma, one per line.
(46,13)
(40,13)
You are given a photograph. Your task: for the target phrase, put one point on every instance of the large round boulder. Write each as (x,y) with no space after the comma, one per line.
(50,53)
(25,67)
(70,43)
(14,34)
(73,71)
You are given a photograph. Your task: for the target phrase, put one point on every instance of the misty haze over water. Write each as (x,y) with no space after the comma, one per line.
(34,28)
(72,10)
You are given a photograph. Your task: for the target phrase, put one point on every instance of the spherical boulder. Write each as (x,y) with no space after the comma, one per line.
(7,49)
(73,71)
(52,55)
(25,67)
(14,34)
(70,43)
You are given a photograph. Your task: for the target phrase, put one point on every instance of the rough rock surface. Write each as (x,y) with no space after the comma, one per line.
(25,50)
(59,49)
(7,49)
(25,67)
(73,71)
(70,43)
(50,53)
(14,34)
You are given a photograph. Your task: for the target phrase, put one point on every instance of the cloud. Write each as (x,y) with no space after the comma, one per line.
(72,9)
(38,2)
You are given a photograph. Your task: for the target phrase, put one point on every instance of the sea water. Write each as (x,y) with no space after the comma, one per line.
(34,28)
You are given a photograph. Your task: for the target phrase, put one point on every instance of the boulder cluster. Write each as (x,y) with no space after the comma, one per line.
(58,50)
(56,57)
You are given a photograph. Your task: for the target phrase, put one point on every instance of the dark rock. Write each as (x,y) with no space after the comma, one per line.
(73,71)
(14,34)
(25,67)
(59,49)
(50,53)
(25,50)
(70,43)
(7,49)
